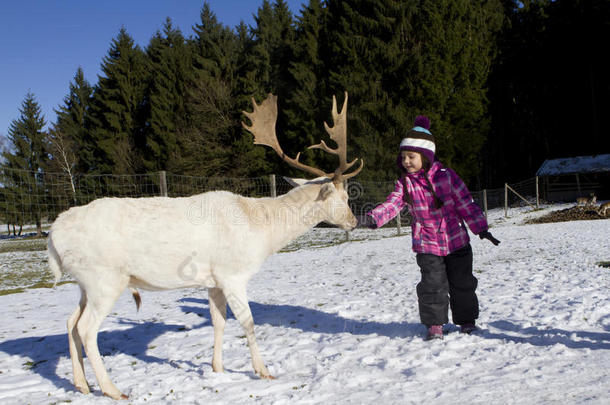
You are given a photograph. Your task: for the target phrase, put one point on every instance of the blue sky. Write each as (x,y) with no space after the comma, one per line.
(43,42)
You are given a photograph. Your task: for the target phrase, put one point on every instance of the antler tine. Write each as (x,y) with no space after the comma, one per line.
(355,172)
(263,118)
(338,133)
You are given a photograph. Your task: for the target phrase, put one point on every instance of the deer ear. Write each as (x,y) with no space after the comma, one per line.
(300,182)
(326,190)
(295,182)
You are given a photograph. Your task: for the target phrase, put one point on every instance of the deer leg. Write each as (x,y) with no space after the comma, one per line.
(218,312)
(238,302)
(76,346)
(99,304)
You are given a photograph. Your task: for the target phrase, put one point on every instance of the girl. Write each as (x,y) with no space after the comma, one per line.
(440,203)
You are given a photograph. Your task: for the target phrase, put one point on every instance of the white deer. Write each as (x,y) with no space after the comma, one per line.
(216,240)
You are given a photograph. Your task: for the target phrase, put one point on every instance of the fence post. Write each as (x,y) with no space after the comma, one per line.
(505,200)
(346,187)
(398,223)
(537,195)
(485,201)
(163,183)
(520,196)
(272,185)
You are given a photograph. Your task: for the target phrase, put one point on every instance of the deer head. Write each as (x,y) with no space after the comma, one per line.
(333,196)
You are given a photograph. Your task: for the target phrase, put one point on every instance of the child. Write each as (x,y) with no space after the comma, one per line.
(440,203)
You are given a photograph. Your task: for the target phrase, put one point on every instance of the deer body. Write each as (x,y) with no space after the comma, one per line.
(586,201)
(604,208)
(147,236)
(216,240)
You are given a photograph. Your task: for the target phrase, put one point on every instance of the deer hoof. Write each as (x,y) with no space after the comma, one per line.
(118,396)
(83,390)
(268,377)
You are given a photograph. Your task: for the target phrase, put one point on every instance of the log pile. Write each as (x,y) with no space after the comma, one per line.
(576,213)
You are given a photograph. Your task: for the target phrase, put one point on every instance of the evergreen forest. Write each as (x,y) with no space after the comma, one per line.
(506,85)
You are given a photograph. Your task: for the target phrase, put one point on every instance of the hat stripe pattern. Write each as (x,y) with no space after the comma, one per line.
(412,142)
(421,129)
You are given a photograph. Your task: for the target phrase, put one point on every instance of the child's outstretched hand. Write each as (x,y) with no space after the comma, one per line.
(489,236)
(366,221)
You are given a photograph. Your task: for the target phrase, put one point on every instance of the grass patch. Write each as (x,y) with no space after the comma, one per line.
(22,269)
(19,290)
(12,291)
(23,245)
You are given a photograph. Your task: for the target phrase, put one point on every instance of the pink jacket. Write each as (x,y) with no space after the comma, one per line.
(436,231)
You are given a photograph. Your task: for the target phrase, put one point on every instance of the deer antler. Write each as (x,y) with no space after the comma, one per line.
(338,133)
(263,118)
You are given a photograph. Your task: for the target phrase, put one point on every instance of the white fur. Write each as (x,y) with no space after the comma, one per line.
(216,240)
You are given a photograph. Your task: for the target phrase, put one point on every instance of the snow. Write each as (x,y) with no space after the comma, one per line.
(579,164)
(340,325)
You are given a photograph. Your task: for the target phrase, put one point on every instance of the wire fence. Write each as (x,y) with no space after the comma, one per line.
(33,198)
(36,198)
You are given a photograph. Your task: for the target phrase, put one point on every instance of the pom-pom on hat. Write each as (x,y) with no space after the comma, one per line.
(420,139)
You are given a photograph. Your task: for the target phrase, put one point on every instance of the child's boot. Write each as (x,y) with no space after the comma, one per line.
(468,328)
(435,332)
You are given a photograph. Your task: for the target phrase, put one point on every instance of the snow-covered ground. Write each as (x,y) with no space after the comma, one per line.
(340,325)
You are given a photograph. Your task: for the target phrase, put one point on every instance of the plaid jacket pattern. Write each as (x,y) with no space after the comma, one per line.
(436,231)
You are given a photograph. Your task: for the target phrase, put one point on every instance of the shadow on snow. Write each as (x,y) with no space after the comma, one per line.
(44,352)
(136,340)
(543,336)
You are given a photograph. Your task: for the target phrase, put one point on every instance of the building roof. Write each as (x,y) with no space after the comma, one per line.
(574,165)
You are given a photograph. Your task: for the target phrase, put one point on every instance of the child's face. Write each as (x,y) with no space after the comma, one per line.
(411,161)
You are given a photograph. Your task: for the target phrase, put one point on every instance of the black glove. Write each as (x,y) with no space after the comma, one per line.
(366,221)
(489,236)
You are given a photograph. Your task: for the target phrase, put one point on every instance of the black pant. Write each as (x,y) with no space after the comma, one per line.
(447,280)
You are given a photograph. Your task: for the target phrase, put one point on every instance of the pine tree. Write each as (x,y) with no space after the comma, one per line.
(534,86)
(263,69)
(253,160)
(116,119)
(210,101)
(170,69)
(399,59)
(364,58)
(68,149)
(457,47)
(23,165)
(306,103)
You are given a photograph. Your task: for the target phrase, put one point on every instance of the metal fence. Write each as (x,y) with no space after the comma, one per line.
(32,197)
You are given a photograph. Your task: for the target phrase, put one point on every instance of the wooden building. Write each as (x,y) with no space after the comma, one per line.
(566,179)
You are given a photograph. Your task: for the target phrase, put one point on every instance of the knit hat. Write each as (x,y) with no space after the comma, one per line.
(420,139)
